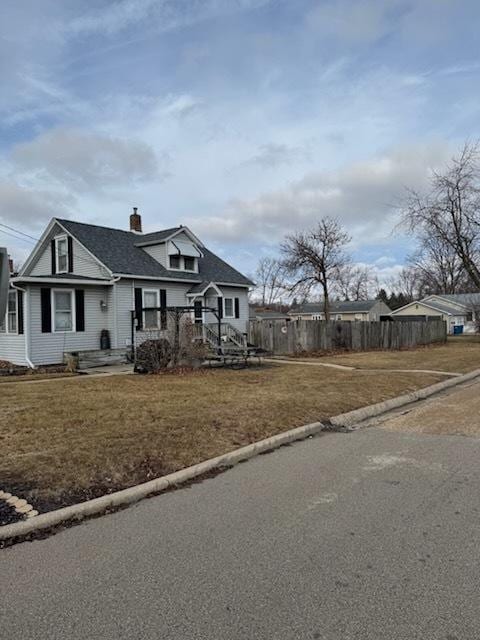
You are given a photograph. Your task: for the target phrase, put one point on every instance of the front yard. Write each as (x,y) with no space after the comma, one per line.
(460,355)
(69,440)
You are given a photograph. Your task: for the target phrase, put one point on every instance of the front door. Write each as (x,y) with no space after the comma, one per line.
(198,312)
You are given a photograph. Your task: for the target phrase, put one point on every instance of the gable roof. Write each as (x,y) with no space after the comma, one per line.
(119,251)
(462,299)
(430,304)
(266,314)
(353,306)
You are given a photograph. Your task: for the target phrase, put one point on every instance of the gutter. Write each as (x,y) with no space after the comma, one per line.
(26,323)
(77,281)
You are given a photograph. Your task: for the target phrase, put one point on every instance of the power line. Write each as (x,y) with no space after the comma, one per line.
(32,240)
(2,224)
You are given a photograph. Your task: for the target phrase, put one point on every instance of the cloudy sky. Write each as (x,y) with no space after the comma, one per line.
(244,119)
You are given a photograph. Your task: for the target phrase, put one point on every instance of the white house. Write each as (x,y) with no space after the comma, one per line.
(356,310)
(460,309)
(81,279)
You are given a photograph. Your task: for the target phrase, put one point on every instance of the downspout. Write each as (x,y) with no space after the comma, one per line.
(115,314)
(26,323)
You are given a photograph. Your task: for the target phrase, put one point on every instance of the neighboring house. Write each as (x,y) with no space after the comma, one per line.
(81,279)
(358,310)
(267,314)
(460,309)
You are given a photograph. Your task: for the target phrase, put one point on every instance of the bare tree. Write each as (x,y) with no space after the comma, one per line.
(314,258)
(354,282)
(438,268)
(450,212)
(271,281)
(406,283)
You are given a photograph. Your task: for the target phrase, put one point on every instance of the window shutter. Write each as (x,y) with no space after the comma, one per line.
(163,307)
(220,307)
(237,307)
(54,257)
(79,310)
(20,311)
(46,303)
(139,308)
(70,254)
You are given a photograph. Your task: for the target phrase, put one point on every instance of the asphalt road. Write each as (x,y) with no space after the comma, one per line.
(374,534)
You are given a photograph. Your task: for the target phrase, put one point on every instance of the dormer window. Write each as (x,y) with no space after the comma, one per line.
(175,262)
(183,256)
(61,254)
(189,263)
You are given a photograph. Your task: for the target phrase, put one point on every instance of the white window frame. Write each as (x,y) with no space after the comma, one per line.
(5,329)
(182,264)
(58,239)
(74,314)
(230,317)
(157,296)
(338,317)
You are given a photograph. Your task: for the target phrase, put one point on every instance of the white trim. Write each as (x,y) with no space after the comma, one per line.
(129,276)
(446,301)
(45,235)
(232,317)
(35,249)
(425,304)
(53,280)
(182,262)
(73,310)
(26,324)
(6,332)
(202,292)
(186,230)
(56,240)
(85,248)
(157,293)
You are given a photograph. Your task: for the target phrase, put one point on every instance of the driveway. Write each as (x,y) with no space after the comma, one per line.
(367,535)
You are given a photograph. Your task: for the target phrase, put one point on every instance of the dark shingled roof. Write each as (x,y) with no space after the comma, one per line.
(118,251)
(355,306)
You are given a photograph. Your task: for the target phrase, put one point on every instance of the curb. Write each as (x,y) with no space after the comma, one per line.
(351,418)
(134,494)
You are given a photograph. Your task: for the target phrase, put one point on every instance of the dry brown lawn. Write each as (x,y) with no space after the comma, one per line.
(459,354)
(70,440)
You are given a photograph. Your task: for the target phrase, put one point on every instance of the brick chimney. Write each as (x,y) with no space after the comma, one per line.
(136,221)
(10,265)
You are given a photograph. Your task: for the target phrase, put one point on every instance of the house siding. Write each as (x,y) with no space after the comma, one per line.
(158,252)
(49,348)
(83,263)
(176,297)
(419,309)
(12,348)
(241,293)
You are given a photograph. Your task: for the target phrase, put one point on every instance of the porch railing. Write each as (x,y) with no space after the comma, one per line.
(208,332)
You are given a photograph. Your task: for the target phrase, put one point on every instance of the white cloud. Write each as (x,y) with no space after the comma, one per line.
(362,195)
(23,206)
(353,22)
(86,161)
(274,154)
(162,15)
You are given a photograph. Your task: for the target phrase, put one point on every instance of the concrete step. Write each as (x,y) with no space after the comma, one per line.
(101,358)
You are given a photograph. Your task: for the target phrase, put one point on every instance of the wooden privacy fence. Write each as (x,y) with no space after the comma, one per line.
(280,337)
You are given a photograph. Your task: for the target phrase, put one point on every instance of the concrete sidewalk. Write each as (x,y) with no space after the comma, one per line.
(456,412)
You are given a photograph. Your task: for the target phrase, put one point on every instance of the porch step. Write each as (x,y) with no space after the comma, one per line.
(100,358)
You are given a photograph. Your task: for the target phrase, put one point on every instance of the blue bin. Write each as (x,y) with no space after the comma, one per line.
(457,329)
